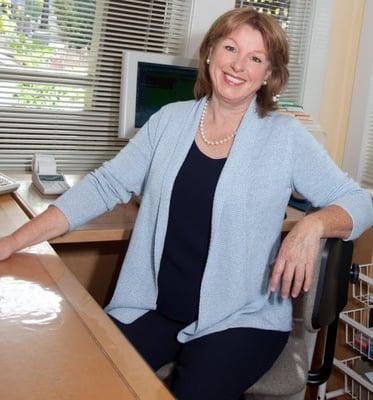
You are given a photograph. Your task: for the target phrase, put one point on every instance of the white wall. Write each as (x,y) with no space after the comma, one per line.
(204,13)
(358,115)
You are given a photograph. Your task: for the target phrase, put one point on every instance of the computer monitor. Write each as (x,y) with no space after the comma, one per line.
(150,81)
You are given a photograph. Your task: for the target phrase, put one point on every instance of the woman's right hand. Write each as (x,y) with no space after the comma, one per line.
(7,247)
(49,224)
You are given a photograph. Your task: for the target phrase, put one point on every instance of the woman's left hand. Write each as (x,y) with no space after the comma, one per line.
(296,259)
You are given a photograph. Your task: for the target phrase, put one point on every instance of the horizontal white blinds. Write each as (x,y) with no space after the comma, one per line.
(295,17)
(366,167)
(60,73)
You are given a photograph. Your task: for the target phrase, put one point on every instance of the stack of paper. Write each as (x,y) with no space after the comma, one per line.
(291,108)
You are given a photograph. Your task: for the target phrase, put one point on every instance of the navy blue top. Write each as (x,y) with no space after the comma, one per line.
(188,236)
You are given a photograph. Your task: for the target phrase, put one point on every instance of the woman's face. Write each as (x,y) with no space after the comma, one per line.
(238,66)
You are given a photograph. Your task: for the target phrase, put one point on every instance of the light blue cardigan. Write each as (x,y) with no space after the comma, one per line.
(269,158)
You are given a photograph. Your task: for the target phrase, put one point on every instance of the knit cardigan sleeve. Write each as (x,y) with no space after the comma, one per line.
(320,180)
(115,181)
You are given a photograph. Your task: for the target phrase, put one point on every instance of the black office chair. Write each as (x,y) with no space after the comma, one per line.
(318,308)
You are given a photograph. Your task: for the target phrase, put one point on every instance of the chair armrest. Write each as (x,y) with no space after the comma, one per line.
(332,287)
(331,298)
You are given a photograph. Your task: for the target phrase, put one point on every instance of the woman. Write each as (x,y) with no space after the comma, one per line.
(201,284)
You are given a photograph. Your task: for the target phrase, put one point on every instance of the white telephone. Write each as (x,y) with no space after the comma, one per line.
(45,176)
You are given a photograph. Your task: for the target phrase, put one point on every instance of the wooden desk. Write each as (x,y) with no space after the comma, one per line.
(112,226)
(93,252)
(56,342)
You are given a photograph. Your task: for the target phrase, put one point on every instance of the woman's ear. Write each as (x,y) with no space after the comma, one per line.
(208,56)
(268,74)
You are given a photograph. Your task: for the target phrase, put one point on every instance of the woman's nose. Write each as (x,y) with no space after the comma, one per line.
(238,64)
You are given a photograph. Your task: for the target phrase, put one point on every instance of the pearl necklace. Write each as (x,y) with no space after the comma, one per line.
(202,131)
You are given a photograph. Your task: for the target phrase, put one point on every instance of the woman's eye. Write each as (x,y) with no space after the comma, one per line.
(230,48)
(255,59)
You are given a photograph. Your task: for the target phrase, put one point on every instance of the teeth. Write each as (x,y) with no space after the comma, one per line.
(234,80)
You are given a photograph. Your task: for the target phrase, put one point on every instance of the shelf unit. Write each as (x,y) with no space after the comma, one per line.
(356,386)
(359,336)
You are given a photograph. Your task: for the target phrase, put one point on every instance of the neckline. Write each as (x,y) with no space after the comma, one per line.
(206,156)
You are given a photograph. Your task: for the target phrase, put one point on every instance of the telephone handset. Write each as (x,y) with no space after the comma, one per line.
(45,176)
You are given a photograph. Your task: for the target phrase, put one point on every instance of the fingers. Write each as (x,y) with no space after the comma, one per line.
(299,278)
(287,279)
(294,266)
(308,277)
(277,271)
(292,280)
(293,277)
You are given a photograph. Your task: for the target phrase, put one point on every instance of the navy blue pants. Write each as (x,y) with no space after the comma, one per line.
(219,366)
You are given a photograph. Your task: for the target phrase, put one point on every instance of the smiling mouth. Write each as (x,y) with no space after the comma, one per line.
(233,79)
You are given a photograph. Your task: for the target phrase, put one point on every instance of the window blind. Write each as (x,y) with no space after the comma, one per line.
(366,164)
(60,66)
(295,17)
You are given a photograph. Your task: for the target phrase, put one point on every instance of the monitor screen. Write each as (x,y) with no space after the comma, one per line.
(160,84)
(149,81)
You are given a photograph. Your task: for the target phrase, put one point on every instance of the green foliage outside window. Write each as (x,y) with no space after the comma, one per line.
(46,96)
(5,14)
(45,35)
(71,23)
(31,53)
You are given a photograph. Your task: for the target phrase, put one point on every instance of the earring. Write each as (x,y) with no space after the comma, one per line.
(275,98)
(208,61)
(264,82)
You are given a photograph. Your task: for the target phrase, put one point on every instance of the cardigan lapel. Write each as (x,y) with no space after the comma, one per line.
(241,153)
(178,150)
(249,140)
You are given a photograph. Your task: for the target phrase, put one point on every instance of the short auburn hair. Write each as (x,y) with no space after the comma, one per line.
(276,45)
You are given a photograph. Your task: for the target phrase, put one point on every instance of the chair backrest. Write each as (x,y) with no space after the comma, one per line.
(332,288)
(318,308)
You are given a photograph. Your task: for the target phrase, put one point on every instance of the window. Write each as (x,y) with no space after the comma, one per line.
(295,17)
(366,164)
(60,64)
